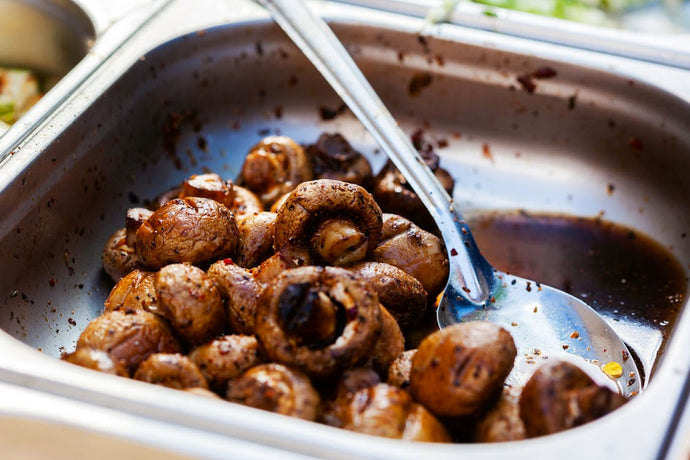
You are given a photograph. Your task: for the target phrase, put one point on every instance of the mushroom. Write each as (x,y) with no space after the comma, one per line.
(388,411)
(171,370)
(190,301)
(210,186)
(401,293)
(290,256)
(339,223)
(273,167)
(414,251)
(246,203)
(95,359)
(458,370)
(255,238)
(390,344)
(502,422)
(400,368)
(203,392)
(134,291)
(319,319)
(560,395)
(128,337)
(240,291)
(332,157)
(276,388)
(118,257)
(192,229)
(135,217)
(226,357)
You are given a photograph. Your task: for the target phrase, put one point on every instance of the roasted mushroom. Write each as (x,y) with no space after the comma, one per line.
(560,395)
(240,291)
(319,319)
(401,293)
(276,388)
(458,370)
(502,422)
(388,411)
(400,368)
(291,256)
(135,217)
(118,257)
(332,157)
(171,370)
(128,337)
(255,238)
(274,167)
(245,203)
(390,344)
(210,186)
(415,251)
(97,360)
(339,223)
(226,357)
(134,291)
(192,229)
(190,301)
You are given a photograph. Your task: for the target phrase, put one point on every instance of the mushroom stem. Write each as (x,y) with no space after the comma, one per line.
(339,242)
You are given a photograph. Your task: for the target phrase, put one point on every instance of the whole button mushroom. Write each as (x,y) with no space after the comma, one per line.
(193,229)
(384,410)
(118,257)
(171,370)
(274,167)
(245,203)
(190,301)
(134,291)
(319,319)
(339,223)
(415,251)
(128,337)
(458,370)
(502,422)
(560,395)
(97,360)
(210,186)
(401,293)
(226,357)
(332,157)
(276,388)
(240,291)
(255,238)
(390,344)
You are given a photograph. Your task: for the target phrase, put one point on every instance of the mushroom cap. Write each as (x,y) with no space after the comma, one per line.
(134,291)
(240,291)
(226,357)
(332,157)
(171,370)
(459,369)
(118,257)
(97,360)
(316,201)
(255,238)
(210,186)
(319,319)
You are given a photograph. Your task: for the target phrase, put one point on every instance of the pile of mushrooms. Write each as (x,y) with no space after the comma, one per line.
(293,292)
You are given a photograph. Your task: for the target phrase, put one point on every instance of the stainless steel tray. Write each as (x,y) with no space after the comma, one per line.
(68,187)
(64,41)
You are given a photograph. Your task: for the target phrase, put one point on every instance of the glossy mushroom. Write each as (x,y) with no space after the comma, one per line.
(134,291)
(390,344)
(502,422)
(458,370)
(95,359)
(210,186)
(274,167)
(118,257)
(171,370)
(240,292)
(332,157)
(226,357)
(255,238)
(339,223)
(319,319)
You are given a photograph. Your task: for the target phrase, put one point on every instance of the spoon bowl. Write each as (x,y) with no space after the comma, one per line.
(545,323)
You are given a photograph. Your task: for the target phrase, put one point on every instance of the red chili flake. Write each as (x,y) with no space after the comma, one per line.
(574,335)
(453,252)
(228,261)
(51,282)
(626,355)
(466,289)
(486,152)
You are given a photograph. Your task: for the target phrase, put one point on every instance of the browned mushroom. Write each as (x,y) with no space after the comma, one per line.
(210,186)
(559,395)
(118,257)
(350,382)
(400,368)
(276,388)
(458,370)
(291,256)
(190,301)
(192,229)
(388,411)
(332,157)
(340,223)
(279,202)
(97,360)
(415,251)
(134,291)
(226,357)
(203,392)
(255,238)
(135,217)
(128,337)
(390,344)
(502,422)
(401,293)
(274,167)
(246,203)
(319,319)
(171,370)
(241,293)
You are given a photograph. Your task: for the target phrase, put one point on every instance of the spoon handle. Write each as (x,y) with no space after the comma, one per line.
(316,40)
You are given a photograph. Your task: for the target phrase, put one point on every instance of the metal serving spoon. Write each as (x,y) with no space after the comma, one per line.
(545,323)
